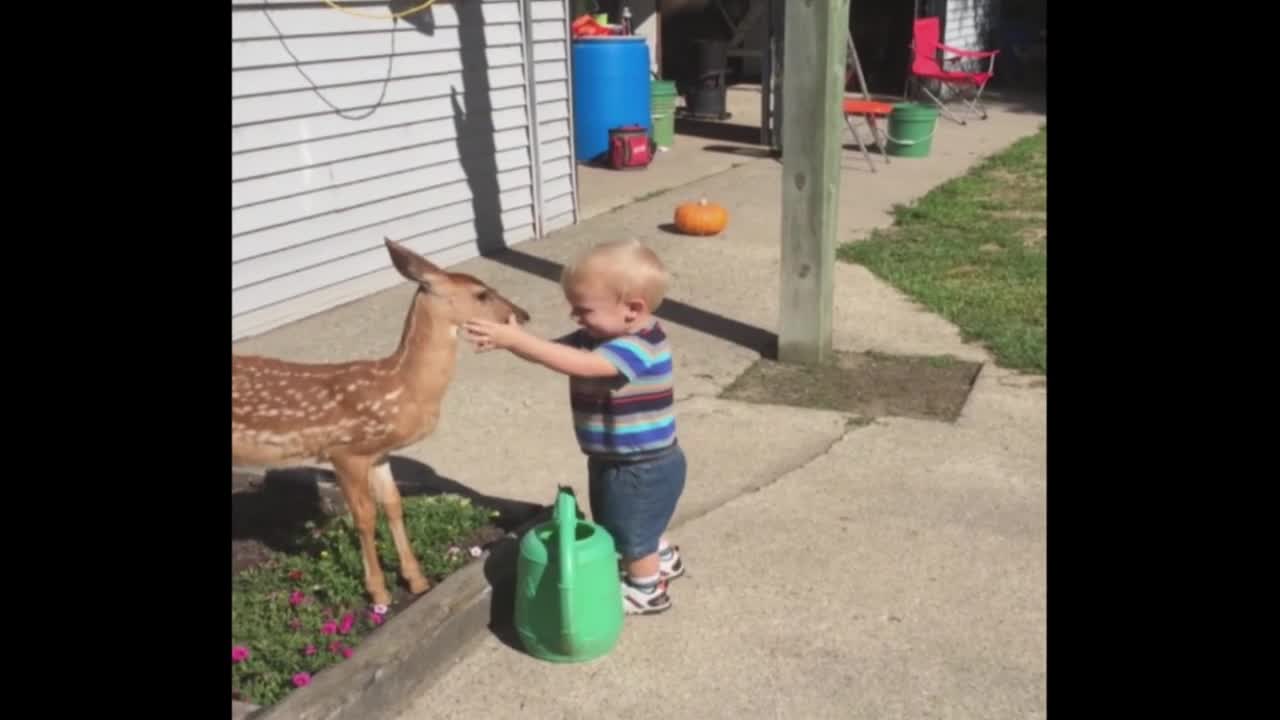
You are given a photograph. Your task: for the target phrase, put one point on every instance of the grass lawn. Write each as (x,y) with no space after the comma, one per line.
(974,250)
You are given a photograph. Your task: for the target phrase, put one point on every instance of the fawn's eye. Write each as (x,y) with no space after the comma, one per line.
(483,295)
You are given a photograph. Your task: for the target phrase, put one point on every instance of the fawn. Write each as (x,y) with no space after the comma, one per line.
(352,415)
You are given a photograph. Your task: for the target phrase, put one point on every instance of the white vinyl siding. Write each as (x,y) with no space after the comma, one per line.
(549,40)
(313,193)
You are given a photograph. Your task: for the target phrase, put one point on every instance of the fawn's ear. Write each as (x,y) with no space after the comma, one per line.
(410,264)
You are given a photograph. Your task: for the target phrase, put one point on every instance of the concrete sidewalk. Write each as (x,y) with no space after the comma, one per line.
(890,571)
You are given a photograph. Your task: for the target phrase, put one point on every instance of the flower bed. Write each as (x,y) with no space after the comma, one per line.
(296,614)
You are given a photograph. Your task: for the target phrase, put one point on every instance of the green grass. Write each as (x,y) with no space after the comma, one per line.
(974,250)
(279,610)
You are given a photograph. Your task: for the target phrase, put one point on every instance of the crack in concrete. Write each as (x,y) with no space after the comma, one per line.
(752,489)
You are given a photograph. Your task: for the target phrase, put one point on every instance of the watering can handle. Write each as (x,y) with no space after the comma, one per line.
(566,517)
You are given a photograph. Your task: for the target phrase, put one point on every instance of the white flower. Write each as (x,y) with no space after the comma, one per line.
(379,609)
(475,551)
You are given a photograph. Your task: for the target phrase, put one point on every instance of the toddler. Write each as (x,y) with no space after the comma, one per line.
(621,391)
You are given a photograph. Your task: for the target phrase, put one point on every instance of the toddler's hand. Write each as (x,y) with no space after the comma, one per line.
(487,335)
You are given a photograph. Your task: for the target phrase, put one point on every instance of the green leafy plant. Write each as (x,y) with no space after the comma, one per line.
(298,613)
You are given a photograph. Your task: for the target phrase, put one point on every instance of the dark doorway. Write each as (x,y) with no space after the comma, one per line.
(882,34)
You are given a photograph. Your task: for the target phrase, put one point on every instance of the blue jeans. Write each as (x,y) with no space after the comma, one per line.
(635,500)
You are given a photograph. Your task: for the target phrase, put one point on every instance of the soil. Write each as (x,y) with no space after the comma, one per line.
(269,516)
(869,385)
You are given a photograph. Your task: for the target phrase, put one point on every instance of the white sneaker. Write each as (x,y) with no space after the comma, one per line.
(640,601)
(671,566)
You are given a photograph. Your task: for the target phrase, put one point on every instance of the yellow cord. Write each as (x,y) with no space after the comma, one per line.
(393,16)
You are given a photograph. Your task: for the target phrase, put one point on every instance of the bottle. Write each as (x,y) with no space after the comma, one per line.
(626,19)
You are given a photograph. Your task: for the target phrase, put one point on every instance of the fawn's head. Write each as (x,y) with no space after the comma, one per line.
(462,297)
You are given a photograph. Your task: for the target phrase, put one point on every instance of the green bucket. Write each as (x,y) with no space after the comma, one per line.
(911,128)
(662,94)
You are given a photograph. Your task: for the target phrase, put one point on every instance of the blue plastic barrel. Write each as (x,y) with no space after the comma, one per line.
(610,89)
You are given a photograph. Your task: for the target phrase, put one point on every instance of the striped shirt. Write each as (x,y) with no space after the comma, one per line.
(634,411)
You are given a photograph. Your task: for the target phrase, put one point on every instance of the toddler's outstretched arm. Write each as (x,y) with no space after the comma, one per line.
(486,335)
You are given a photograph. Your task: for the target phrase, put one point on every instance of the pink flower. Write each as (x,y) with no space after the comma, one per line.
(296,597)
(309,650)
(347,621)
(380,609)
(335,647)
(347,652)
(239,653)
(329,628)
(302,679)
(375,618)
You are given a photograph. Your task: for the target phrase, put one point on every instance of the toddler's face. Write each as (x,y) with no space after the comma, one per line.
(598,311)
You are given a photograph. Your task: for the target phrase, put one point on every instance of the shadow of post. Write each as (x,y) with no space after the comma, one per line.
(725,132)
(753,153)
(748,336)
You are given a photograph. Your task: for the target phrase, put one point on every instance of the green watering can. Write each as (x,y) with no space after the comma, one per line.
(568,592)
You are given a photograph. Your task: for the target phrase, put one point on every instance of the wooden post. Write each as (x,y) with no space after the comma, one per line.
(812,91)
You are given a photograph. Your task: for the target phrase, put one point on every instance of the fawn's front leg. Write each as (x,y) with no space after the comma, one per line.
(385,491)
(354,477)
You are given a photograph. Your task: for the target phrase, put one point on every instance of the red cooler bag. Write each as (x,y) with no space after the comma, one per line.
(630,148)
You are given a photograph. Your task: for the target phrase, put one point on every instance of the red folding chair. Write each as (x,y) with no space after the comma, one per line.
(866,108)
(870,111)
(925,45)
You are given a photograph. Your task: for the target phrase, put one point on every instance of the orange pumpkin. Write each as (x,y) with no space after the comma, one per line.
(701,218)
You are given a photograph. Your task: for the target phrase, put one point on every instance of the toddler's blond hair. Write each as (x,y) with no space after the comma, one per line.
(626,267)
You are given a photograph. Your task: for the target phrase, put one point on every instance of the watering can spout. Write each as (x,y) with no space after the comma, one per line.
(566,520)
